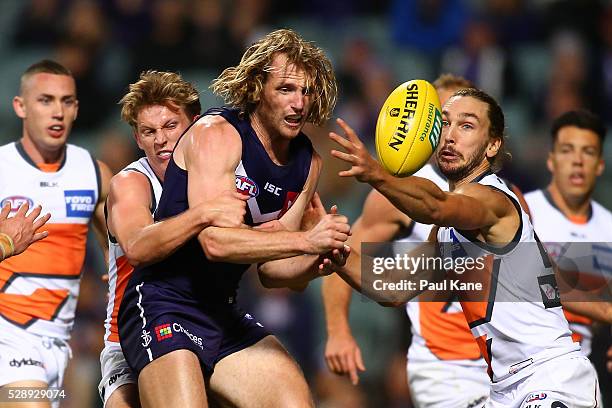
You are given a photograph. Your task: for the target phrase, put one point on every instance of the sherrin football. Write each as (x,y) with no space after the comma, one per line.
(408,127)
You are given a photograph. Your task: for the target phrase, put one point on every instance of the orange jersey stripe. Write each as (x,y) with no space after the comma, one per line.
(61,253)
(576,318)
(41,304)
(447,335)
(484,349)
(124,270)
(476,309)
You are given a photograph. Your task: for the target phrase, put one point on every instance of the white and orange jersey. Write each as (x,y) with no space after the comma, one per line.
(521,322)
(119,269)
(40,287)
(554,229)
(439,329)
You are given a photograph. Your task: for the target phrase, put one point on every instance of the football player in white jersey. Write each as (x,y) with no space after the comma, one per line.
(158,107)
(40,287)
(565,211)
(445,367)
(524,339)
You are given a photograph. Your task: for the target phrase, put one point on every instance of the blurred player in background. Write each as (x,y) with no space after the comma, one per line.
(180,328)
(525,339)
(18,232)
(565,210)
(158,107)
(40,287)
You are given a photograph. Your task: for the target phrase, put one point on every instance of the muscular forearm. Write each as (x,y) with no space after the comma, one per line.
(294,272)
(157,241)
(249,246)
(336,301)
(417,197)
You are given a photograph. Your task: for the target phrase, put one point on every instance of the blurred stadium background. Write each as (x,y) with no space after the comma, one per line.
(538,57)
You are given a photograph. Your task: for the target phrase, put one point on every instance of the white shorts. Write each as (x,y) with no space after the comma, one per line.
(562,382)
(25,356)
(440,384)
(115,371)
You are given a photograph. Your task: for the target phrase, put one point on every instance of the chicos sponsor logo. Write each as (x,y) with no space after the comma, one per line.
(166,331)
(16,201)
(24,362)
(195,339)
(79,203)
(163,332)
(247,186)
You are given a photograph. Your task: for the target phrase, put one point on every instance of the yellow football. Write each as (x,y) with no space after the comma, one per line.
(408,127)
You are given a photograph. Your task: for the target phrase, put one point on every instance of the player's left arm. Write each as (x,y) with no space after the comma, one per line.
(99,221)
(297,271)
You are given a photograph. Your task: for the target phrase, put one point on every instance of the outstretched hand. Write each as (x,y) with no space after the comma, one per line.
(23,227)
(363,166)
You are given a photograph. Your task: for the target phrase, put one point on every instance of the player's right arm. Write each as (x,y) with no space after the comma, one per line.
(380,221)
(144,241)
(212,152)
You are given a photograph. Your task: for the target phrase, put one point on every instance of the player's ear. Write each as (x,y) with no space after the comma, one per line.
(601,166)
(19,107)
(549,162)
(76,109)
(494,147)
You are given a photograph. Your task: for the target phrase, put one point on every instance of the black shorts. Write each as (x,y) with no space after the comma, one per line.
(154,321)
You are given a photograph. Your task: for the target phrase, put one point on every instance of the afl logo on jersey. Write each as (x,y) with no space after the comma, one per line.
(16,202)
(247,186)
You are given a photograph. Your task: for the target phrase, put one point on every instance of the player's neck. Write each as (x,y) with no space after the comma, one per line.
(39,155)
(277,147)
(478,171)
(571,207)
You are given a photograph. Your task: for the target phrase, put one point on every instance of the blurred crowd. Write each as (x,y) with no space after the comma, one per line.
(539,58)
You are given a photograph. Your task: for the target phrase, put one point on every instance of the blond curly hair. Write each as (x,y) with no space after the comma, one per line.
(241,86)
(159,88)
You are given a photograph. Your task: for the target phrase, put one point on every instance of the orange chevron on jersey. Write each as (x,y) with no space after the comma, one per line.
(61,253)
(25,309)
(447,335)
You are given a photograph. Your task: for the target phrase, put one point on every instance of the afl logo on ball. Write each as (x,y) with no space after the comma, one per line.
(247,186)
(394,113)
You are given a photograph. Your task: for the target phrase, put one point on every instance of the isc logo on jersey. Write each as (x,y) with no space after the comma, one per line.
(79,203)
(247,186)
(16,202)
